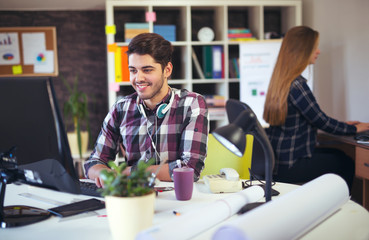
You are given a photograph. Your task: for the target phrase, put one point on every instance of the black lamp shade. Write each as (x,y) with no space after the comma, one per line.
(232,137)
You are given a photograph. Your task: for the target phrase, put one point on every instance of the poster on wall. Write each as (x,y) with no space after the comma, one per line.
(257,60)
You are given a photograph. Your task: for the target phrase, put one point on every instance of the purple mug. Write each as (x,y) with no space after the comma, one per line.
(183,183)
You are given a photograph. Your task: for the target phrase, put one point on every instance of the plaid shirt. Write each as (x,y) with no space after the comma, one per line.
(296,138)
(181,134)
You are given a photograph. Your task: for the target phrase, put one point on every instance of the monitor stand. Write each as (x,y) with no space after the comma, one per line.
(15,216)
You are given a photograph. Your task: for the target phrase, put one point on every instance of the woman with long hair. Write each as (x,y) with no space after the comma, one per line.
(294,116)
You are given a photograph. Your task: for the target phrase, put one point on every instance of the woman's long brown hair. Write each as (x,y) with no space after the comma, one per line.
(297,47)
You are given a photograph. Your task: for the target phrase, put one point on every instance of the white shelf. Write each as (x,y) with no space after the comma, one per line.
(190,15)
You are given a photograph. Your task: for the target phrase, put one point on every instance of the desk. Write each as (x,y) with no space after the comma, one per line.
(358,152)
(350,222)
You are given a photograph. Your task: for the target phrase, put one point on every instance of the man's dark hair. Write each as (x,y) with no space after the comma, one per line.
(153,44)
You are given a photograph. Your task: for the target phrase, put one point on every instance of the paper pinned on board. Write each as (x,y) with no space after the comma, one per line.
(33,44)
(9,49)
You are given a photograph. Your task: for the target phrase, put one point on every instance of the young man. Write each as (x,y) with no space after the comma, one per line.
(154,122)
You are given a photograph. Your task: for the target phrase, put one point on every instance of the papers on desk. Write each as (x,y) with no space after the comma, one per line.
(291,215)
(198,221)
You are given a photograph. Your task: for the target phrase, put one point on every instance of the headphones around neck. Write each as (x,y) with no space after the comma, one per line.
(162,109)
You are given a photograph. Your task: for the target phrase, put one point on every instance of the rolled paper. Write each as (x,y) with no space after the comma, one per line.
(291,215)
(200,220)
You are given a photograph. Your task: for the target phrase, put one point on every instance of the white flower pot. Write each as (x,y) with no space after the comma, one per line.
(129,215)
(73,143)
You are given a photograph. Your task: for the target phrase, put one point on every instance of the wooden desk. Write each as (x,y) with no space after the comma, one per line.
(358,152)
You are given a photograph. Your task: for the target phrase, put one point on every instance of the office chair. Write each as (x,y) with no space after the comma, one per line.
(219,157)
(234,108)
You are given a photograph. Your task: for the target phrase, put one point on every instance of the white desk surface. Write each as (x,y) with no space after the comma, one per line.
(350,222)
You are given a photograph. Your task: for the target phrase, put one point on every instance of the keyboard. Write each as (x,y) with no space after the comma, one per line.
(89,188)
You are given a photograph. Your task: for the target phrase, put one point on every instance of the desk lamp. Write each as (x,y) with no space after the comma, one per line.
(14,216)
(232,136)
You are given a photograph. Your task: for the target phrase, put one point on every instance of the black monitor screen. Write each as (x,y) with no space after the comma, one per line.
(30,120)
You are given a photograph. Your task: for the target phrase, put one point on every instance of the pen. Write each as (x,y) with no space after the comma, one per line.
(176,213)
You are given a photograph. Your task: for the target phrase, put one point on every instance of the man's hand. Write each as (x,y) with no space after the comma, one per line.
(94,174)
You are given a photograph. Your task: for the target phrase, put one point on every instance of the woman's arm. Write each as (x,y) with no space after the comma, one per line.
(303,99)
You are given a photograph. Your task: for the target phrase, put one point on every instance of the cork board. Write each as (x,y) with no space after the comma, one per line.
(28,51)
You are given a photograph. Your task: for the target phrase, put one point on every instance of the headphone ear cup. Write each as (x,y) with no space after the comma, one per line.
(161,111)
(142,110)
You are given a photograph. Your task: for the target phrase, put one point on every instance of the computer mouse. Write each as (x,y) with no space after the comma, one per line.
(362,138)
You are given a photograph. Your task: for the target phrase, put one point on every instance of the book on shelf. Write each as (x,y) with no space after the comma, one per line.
(238,30)
(133,29)
(235,63)
(215,101)
(217,112)
(234,71)
(223,71)
(216,106)
(167,31)
(197,65)
(240,34)
(231,70)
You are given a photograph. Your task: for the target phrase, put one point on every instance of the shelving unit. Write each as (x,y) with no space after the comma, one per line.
(189,16)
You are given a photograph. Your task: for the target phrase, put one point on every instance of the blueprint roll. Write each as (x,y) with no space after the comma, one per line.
(291,215)
(202,219)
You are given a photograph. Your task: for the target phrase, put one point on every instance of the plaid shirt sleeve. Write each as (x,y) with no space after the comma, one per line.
(107,144)
(303,99)
(194,137)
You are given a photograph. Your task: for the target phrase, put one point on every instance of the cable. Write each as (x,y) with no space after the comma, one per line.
(153,175)
(248,183)
(157,155)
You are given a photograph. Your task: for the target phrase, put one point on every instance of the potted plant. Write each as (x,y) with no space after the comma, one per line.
(129,200)
(76,109)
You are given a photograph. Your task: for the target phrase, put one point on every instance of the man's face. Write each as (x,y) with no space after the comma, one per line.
(148,78)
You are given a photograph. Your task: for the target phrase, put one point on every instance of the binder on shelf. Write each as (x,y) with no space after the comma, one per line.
(217,61)
(124,61)
(207,61)
(118,64)
(197,65)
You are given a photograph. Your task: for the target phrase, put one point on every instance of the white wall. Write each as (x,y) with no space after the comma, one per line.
(341,74)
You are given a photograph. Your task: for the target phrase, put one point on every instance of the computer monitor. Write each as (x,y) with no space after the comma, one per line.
(31,122)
